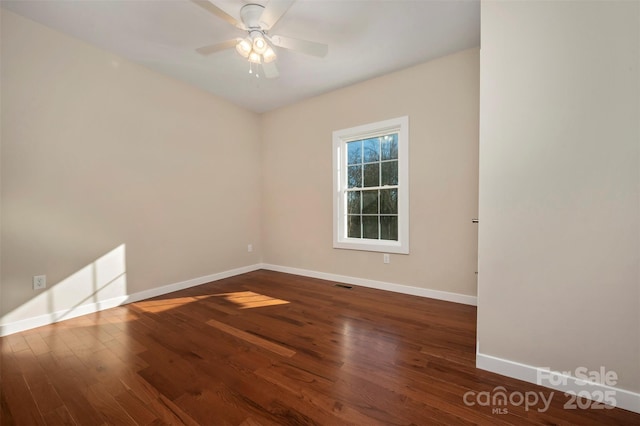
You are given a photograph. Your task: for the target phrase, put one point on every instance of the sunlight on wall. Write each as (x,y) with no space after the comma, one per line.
(102,280)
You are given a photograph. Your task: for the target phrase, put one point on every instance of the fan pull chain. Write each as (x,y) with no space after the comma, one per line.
(251,70)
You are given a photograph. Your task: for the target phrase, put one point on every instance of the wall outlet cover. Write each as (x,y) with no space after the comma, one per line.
(39,282)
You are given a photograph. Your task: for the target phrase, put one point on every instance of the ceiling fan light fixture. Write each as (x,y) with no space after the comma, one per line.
(258,47)
(269,55)
(255,58)
(244,47)
(260,44)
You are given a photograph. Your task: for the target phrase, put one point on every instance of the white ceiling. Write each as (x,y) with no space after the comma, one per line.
(366,38)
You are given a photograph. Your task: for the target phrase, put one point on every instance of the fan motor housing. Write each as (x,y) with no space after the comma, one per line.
(250,14)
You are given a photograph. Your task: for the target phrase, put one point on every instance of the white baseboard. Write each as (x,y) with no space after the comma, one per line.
(380,285)
(51,318)
(625,399)
(159,291)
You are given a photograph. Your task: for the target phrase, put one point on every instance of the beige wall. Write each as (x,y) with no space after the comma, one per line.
(100,156)
(117,180)
(441,100)
(559,247)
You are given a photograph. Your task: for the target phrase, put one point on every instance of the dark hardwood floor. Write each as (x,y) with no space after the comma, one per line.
(267,348)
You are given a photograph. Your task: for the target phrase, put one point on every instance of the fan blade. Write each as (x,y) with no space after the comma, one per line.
(309,47)
(270,70)
(212,8)
(273,12)
(213,48)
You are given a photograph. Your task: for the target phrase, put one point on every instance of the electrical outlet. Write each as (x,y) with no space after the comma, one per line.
(386,258)
(250,248)
(39,282)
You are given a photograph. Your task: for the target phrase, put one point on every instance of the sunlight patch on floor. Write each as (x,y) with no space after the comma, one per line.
(249,299)
(240,300)
(162,305)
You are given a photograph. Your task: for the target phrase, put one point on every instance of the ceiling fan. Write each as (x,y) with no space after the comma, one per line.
(258,45)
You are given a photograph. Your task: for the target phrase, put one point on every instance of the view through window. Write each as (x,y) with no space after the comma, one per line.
(371,187)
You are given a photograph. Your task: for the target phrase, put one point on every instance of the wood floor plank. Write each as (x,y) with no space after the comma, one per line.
(45,396)
(161,406)
(103,401)
(20,406)
(71,386)
(251,338)
(135,408)
(15,342)
(59,417)
(265,348)
(213,405)
(29,366)
(297,382)
(6,418)
(172,413)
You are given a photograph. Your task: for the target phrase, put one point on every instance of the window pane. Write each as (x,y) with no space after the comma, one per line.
(389,228)
(354,152)
(353,202)
(371,150)
(370,202)
(389,173)
(372,174)
(354,177)
(390,147)
(370,164)
(370,227)
(389,201)
(353,227)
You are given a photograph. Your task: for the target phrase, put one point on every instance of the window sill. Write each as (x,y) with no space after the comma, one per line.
(372,245)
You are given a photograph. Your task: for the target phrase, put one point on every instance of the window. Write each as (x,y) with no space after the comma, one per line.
(371,187)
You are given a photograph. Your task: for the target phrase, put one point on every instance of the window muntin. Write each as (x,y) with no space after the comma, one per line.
(371,187)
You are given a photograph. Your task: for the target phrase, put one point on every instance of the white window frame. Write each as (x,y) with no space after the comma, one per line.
(398,125)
